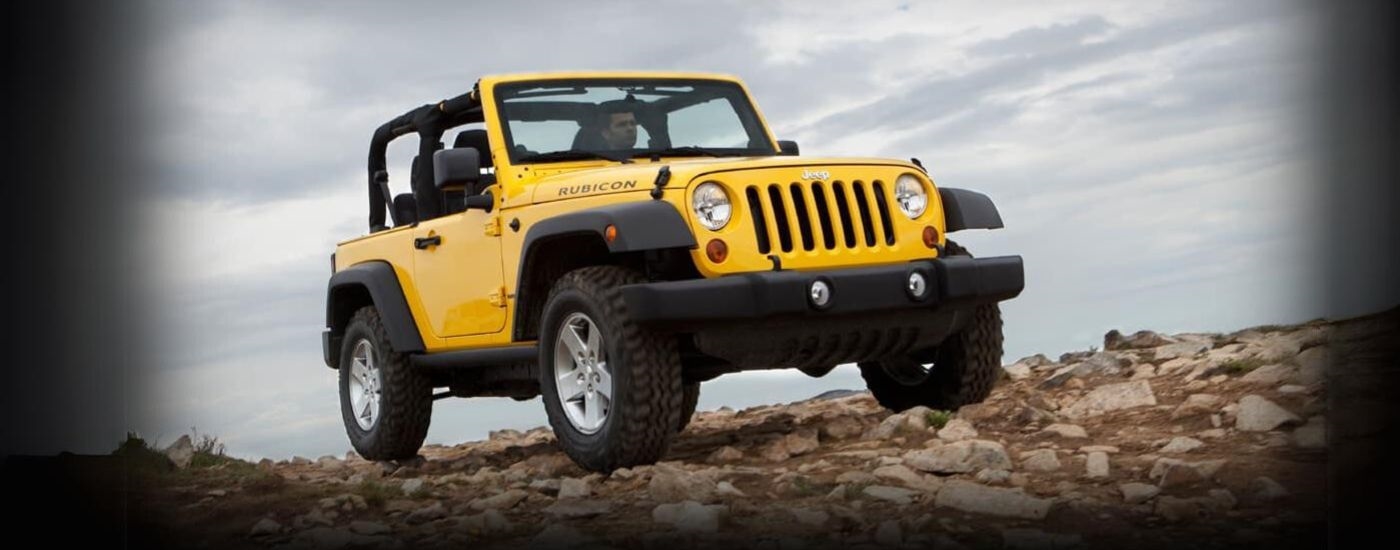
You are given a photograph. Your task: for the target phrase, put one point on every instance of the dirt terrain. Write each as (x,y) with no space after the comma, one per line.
(1158,440)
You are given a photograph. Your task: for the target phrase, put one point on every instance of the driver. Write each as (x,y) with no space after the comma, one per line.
(619,124)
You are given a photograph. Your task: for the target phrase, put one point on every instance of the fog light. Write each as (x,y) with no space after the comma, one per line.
(716,251)
(820,293)
(918,285)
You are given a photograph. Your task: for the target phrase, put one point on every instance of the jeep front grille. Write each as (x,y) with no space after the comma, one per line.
(830,215)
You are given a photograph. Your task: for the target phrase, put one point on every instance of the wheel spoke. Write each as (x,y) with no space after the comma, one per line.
(569,386)
(592,410)
(595,344)
(604,380)
(571,339)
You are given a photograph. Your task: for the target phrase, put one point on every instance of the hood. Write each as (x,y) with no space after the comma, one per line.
(564,184)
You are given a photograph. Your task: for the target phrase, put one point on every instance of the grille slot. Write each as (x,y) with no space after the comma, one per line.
(831,215)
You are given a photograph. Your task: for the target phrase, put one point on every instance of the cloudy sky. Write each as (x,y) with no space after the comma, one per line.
(1151,161)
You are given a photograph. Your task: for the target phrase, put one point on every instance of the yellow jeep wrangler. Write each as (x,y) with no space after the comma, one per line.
(608,241)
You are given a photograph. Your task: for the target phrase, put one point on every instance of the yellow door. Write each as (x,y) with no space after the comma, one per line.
(457,268)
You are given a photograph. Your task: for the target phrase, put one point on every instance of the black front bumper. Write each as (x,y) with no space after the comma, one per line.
(951,283)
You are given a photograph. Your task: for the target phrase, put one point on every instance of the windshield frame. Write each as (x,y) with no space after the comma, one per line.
(745,109)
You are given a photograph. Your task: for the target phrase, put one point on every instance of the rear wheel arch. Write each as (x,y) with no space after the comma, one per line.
(375,284)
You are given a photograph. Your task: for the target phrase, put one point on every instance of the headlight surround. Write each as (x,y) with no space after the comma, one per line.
(711,205)
(911,195)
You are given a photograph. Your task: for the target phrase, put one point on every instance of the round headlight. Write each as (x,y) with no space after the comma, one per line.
(711,205)
(911,196)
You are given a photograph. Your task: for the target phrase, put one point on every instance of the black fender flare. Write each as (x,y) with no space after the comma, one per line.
(644,225)
(379,280)
(963,209)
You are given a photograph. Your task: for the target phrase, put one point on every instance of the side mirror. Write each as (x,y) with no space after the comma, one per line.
(787,148)
(485,201)
(456,167)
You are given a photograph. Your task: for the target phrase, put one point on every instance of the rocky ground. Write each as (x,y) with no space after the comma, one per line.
(1180,440)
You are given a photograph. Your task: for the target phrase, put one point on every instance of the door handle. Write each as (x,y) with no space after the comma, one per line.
(424,242)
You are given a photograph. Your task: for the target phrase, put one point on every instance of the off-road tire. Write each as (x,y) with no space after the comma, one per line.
(965,366)
(688,404)
(406,395)
(648,393)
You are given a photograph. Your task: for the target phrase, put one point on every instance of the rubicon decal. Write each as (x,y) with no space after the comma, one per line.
(596,187)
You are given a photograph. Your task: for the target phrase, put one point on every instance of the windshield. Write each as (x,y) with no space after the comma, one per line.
(617,119)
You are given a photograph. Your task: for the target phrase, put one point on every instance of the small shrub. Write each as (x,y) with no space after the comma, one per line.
(376,494)
(938,419)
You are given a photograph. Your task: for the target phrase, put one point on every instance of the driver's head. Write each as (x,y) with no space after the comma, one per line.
(619,124)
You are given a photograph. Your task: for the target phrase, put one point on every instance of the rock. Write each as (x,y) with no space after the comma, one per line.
(181,452)
(1312,435)
(909,478)
(670,484)
(1175,473)
(1068,431)
(856,477)
(959,457)
(1017,371)
(891,494)
(775,451)
(725,488)
(978,411)
(1274,349)
(430,513)
(369,528)
(1096,465)
(266,526)
(1142,339)
(1035,539)
(1113,397)
(1138,493)
(1224,499)
(1042,460)
(1178,509)
(1178,365)
(326,537)
(889,533)
(957,429)
(1195,405)
(502,501)
(1058,378)
(578,508)
(993,477)
(412,487)
(1257,414)
(1037,361)
(725,455)
(1290,388)
(1270,375)
(1180,350)
(690,516)
(503,435)
(1098,449)
(980,499)
(916,418)
(843,427)
(1180,445)
(814,518)
(558,535)
(1265,489)
(1312,366)
(574,488)
(1144,372)
(801,442)
(546,486)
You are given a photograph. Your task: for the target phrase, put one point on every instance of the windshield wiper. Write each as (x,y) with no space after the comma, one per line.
(688,150)
(574,154)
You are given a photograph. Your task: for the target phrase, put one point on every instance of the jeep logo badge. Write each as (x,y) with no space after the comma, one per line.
(816,175)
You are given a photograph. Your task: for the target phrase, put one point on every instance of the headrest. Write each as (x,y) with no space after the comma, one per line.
(475,139)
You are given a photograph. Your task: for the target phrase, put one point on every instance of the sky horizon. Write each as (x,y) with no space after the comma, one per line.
(1151,163)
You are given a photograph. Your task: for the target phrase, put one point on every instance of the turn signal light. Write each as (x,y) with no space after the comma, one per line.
(717,251)
(610,233)
(930,237)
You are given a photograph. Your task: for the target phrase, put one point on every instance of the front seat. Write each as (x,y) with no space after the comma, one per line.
(476,139)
